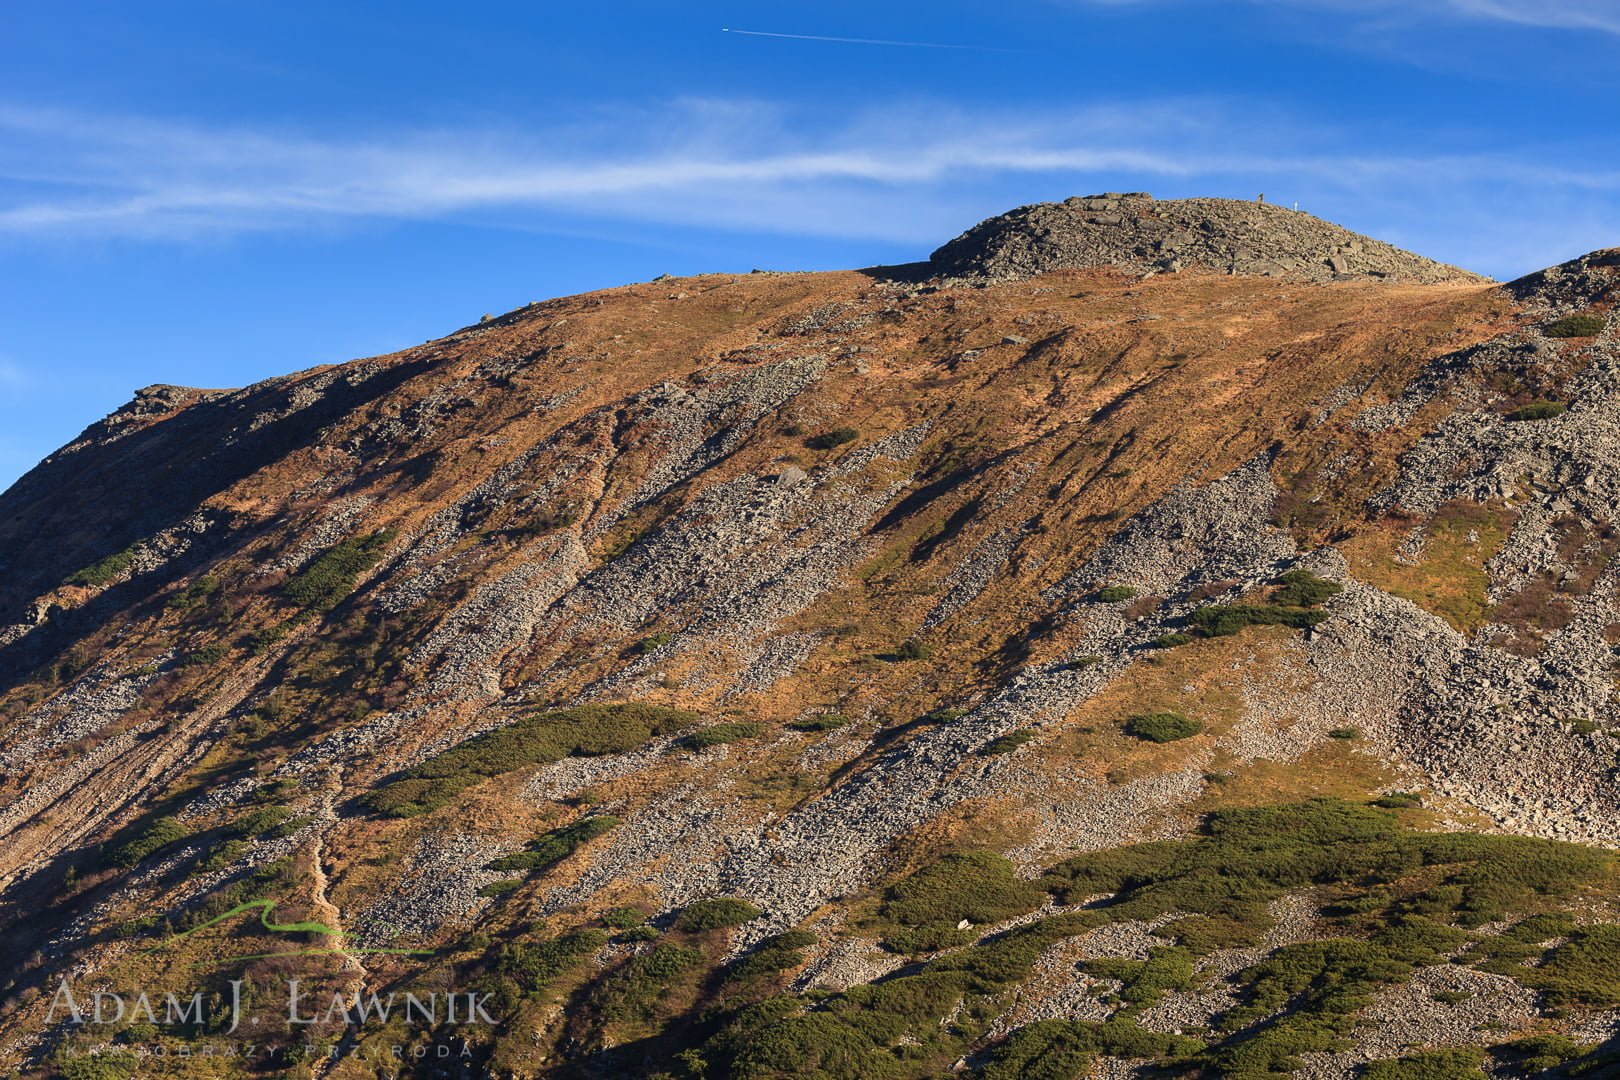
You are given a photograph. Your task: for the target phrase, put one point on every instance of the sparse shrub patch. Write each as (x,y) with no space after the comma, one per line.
(103,571)
(1064,1049)
(534,964)
(331,576)
(1009,742)
(195,594)
(716,734)
(1459,1063)
(551,518)
(823,722)
(1171,641)
(102,1065)
(1222,620)
(655,642)
(584,730)
(1537,410)
(1144,982)
(206,656)
(1113,594)
(557,845)
(1537,1053)
(258,821)
(161,833)
(623,918)
(1292,604)
(1162,727)
(829,440)
(779,952)
(634,991)
(1300,588)
(977,886)
(715,914)
(1573,326)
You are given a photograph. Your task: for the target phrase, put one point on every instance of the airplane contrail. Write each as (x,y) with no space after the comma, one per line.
(861,41)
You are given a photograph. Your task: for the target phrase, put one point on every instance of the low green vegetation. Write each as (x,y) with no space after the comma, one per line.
(718,734)
(1162,727)
(654,642)
(260,820)
(616,545)
(1293,604)
(328,579)
(1537,410)
(1006,744)
(1406,899)
(206,656)
(828,440)
(623,918)
(501,887)
(715,914)
(551,518)
(780,952)
(912,649)
(923,911)
(633,992)
(557,845)
(536,964)
(1113,594)
(1143,982)
(1389,899)
(1573,326)
(1222,620)
(584,730)
(104,571)
(1455,1063)
(264,880)
(99,1065)
(822,722)
(1299,588)
(195,594)
(223,855)
(1537,1053)
(162,833)
(1065,1049)
(1173,640)
(1344,733)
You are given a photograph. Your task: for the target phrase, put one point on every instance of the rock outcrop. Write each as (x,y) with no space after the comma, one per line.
(1142,235)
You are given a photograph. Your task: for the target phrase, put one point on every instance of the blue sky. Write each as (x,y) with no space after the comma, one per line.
(213,193)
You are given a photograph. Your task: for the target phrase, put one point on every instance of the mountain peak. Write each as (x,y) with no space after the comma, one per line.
(1140,234)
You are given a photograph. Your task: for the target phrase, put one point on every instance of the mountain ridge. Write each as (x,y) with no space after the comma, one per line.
(916,556)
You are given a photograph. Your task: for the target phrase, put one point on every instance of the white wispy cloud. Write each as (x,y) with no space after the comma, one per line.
(911,174)
(1601,15)
(1570,14)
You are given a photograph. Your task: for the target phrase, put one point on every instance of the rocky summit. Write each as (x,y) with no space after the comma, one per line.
(1138,233)
(1191,652)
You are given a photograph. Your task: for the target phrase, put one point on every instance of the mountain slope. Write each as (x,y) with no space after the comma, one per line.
(828,594)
